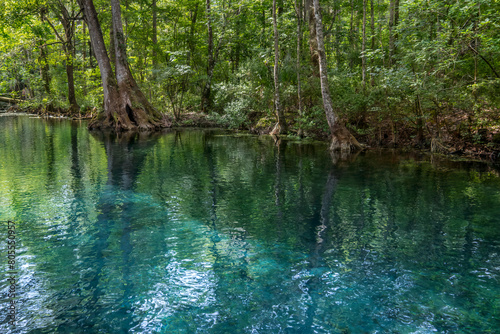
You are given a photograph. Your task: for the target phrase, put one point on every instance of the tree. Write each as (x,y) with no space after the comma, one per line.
(67,20)
(280,127)
(125,106)
(213,54)
(341,137)
(299,40)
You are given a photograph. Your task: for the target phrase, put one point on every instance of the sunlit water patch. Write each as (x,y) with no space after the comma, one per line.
(206,232)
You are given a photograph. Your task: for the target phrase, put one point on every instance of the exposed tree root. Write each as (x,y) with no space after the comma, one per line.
(437,146)
(343,140)
(130,111)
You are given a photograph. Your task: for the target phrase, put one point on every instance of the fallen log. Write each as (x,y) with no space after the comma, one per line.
(10,100)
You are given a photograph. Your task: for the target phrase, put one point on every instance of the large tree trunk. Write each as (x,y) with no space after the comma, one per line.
(280,127)
(341,138)
(110,88)
(125,106)
(132,102)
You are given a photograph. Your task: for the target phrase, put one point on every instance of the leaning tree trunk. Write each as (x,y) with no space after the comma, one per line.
(110,88)
(341,137)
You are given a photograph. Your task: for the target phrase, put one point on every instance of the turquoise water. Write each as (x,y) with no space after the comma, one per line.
(210,232)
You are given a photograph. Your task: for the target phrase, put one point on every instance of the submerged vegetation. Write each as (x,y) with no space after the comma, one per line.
(423,73)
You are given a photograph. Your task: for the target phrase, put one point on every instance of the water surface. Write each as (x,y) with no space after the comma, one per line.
(210,232)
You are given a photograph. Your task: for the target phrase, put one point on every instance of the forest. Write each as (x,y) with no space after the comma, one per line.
(397,73)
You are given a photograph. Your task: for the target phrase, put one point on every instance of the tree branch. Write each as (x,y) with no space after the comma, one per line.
(485,60)
(55,30)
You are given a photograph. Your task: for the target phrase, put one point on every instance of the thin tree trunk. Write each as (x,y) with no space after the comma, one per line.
(299,41)
(363,49)
(68,48)
(313,41)
(391,28)
(213,56)
(44,64)
(485,60)
(393,22)
(192,44)
(351,35)
(205,96)
(280,127)
(380,39)
(154,38)
(372,30)
(341,138)
(74,107)
(44,69)
(263,30)
(372,24)
(84,48)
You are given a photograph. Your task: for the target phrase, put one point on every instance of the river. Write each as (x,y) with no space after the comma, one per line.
(209,231)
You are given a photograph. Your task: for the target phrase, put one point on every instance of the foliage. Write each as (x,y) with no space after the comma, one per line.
(426,61)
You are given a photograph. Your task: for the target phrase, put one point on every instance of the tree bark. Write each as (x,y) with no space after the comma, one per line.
(280,127)
(313,41)
(205,96)
(393,22)
(132,101)
(341,138)
(192,42)
(44,69)
(154,38)
(69,30)
(372,24)
(44,63)
(352,46)
(363,49)
(372,30)
(213,55)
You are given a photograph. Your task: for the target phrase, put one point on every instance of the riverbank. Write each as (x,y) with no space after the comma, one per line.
(451,138)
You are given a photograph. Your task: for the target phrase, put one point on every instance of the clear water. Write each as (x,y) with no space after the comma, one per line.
(209,232)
